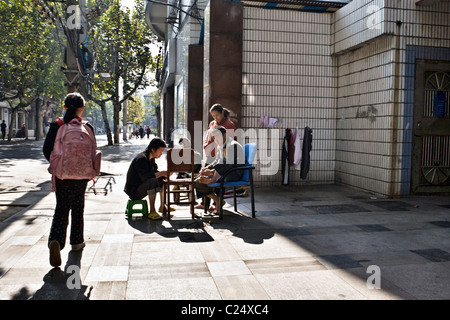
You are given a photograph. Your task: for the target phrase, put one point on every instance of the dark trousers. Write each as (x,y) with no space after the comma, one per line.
(69,196)
(202,190)
(150,186)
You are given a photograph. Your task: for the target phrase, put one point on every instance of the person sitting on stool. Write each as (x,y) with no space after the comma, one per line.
(143,177)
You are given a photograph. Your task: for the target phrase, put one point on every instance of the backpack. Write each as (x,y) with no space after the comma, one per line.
(75,155)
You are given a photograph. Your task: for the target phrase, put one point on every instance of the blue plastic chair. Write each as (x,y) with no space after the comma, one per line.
(246,180)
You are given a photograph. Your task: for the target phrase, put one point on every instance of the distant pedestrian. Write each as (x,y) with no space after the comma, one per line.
(141,132)
(3,125)
(70,193)
(44,125)
(147,131)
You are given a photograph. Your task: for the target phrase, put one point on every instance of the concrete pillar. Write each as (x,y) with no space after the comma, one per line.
(223,58)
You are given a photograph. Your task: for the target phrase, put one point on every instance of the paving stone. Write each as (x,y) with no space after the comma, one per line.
(434,255)
(10,255)
(442,224)
(173,289)
(339,261)
(240,287)
(284,265)
(219,250)
(107,273)
(24,240)
(112,254)
(274,247)
(337,208)
(168,271)
(309,285)
(373,227)
(228,268)
(107,290)
(118,238)
(391,205)
(427,281)
(167,252)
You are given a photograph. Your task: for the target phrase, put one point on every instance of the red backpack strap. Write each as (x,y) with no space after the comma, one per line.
(60,121)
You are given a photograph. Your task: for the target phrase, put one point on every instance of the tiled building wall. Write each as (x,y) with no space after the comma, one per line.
(363,46)
(288,74)
(358,22)
(336,74)
(364,116)
(425,35)
(365,38)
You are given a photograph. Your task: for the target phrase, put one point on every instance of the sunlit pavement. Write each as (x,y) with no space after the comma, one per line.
(306,242)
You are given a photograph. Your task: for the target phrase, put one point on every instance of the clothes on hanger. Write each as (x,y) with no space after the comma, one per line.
(306,149)
(297,150)
(286,156)
(266,121)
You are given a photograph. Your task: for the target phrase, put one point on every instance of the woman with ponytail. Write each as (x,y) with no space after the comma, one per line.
(69,193)
(222,117)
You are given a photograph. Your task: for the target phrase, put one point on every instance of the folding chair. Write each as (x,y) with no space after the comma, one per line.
(246,180)
(179,160)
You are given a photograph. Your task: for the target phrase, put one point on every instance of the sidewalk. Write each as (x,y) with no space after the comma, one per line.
(308,242)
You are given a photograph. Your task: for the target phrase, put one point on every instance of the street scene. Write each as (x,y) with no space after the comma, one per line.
(316,242)
(207,152)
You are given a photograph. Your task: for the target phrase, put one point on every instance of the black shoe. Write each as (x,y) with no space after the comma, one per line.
(55,253)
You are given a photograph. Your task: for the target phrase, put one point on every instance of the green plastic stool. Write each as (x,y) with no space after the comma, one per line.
(130,208)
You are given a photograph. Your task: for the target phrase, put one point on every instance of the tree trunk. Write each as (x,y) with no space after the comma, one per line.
(11,120)
(38,133)
(105,120)
(125,120)
(116,120)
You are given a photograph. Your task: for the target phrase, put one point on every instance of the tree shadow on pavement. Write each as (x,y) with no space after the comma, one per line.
(202,230)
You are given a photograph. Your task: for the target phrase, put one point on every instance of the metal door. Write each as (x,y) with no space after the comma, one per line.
(431,132)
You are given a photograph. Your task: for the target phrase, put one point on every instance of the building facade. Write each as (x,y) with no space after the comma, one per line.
(27,118)
(371,78)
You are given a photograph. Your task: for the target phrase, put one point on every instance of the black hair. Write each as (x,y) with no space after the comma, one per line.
(227,113)
(155,144)
(223,130)
(72,101)
(219,108)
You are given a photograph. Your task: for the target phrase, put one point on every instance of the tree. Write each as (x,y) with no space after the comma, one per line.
(136,111)
(27,65)
(151,102)
(121,44)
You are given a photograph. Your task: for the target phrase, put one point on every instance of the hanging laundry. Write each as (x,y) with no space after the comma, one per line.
(264,121)
(297,149)
(267,122)
(286,155)
(272,122)
(306,149)
(291,148)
